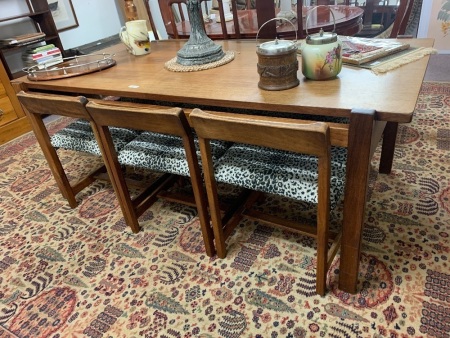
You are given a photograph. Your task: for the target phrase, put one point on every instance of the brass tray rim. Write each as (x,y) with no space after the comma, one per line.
(67,69)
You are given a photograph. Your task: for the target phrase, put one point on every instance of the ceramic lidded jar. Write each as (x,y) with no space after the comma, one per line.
(321,55)
(277,64)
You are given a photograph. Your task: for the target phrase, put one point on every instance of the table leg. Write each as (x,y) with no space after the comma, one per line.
(388,147)
(358,166)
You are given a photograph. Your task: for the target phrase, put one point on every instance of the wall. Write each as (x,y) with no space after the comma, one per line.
(10,8)
(431,27)
(97,19)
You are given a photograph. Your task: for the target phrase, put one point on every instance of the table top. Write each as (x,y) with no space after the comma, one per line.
(347,23)
(393,95)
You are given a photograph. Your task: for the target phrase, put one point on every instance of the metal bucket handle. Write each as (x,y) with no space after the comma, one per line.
(273,20)
(307,18)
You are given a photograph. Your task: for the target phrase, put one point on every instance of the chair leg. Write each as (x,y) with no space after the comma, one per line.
(123,196)
(323,222)
(214,207)
(388,147)
(200,197)
(202,209)
(117,178)
(322,265)
(322,248)
(52,158)
(220,241)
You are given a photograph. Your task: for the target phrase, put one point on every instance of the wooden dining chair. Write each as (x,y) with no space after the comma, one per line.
(245,4)
(79,136)
(402,18)
(237,30)
(166,145)
(173,12)
(285,157)
(265,11)
(150,19)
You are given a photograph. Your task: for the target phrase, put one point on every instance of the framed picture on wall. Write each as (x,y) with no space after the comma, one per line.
(63,14)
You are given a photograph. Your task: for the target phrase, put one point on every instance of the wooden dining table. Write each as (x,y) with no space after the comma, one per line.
(369,101)
(348,22)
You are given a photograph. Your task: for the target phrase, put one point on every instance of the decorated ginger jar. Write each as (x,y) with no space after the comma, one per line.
(321,56)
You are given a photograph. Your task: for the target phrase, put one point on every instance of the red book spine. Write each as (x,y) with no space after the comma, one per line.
(45,53)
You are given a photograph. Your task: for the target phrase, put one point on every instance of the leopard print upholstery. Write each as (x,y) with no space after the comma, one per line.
(79,136)
(279,172)
(163,153)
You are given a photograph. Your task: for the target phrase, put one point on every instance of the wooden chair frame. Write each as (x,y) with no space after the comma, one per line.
(167,12)
(167,8)
(266,10)
(155,119)
(150,19)
(306,137)
(401,18)
(235,19)
(36,106)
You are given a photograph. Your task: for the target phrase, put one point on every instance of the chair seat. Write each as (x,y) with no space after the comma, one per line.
(292,175)
(79,136)
(163,153)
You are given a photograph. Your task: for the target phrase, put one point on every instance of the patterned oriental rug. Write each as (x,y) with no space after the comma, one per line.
(82,273)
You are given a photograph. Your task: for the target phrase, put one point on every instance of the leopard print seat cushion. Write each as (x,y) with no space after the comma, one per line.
(163,153)
(79,136)
(279,172)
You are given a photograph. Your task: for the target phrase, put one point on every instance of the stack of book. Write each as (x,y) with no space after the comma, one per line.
(42,56)
(358,51)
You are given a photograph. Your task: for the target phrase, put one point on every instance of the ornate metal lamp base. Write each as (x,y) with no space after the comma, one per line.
(199,49)
(199,53)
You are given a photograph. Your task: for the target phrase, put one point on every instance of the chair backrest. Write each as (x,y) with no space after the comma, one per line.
(401,18)
(140,117)
(300,27)
(306,137)
(48,104)
(249,4)
(150,19)
(235,19)
(172,12)
(36,106)
(265,11)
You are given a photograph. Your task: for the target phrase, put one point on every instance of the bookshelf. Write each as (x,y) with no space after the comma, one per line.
(41,17)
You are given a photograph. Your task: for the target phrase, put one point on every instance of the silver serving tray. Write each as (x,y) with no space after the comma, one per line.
(71,66)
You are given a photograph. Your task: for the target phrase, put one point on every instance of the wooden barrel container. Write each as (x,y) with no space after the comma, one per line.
(277,63)
(278,71)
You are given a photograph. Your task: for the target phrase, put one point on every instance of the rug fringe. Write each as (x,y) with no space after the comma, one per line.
(403,60)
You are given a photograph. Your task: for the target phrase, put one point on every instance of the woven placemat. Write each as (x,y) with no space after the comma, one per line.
(173,66)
